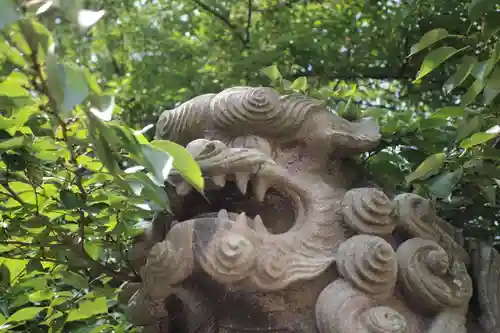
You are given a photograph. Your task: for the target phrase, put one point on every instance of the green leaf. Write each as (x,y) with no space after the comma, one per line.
(183,162)
(103,107)
(76,88)
(41,295)
(11,87)
(25,314)
(272,72)
(428,167)
(443,185)
(449,111)
(374,112)
(473,91)
(461,74)
(71,200)
(468,127)
(93,249)
(300,84)
(477,7)
(87,18)
(479,138)
(74,279)
(87,309)
(428,39)
(489,94)
(158,162)
(491,24)
(489,192)
(15,142)
(8,13)
(434,59)
(482,69)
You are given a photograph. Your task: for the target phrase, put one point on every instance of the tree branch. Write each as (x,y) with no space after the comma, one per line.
(249,21)
(224,19)
(97,266)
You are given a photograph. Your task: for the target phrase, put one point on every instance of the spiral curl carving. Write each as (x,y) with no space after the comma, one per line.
(230,257)
(185,122)
(245,106)
(270,268)
(169,261)
(368,210)
(429,279)
(369,263)
(342,309)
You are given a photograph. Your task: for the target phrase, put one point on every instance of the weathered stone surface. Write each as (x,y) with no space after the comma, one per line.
(284,244)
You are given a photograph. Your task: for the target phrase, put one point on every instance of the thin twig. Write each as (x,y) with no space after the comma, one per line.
(249,21)
(224,19)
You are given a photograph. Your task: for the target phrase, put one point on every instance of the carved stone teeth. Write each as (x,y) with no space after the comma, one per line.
(219,180)
(183,188)
(223,214)
(242,179)
(260,187)
(241,220)
(259,224)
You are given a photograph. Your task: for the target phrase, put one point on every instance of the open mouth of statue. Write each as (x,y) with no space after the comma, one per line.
(236,194)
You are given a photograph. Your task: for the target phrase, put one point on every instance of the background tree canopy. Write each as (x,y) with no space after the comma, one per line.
(81,82)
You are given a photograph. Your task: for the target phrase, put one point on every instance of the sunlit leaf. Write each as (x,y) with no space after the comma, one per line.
(89,308)
(479,138)
(103,107)
(428,167)
(183,162)
(159,162)
(272,72)
(300,84)
(25,314)
(87,18)
(434,59)
(428,39)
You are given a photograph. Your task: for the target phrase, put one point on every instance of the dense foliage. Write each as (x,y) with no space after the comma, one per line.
(81,82)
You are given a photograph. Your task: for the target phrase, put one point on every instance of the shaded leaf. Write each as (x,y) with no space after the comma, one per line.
(477,7)
(8,13)
(473,91)
(449,111)
(76,88)
(434,59)
(443,185)
(428,39)
(428,167)
(460,75)
(71,200)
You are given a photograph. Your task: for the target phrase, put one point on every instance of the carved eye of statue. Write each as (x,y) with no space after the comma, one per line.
(253,142)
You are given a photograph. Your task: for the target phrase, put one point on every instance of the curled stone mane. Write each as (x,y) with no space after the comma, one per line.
(242,111)
(280,240)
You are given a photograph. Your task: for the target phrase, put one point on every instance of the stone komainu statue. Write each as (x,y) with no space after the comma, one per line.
(282,242)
